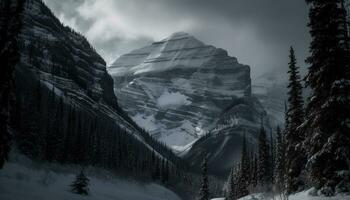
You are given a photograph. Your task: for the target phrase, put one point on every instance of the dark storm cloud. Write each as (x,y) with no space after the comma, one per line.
(257,32)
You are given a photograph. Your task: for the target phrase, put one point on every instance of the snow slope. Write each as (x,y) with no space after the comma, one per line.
(305,195)
(34,181)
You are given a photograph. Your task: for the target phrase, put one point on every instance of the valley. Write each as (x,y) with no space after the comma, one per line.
(173,117)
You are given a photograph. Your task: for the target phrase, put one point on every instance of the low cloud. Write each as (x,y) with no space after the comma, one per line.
(258,33)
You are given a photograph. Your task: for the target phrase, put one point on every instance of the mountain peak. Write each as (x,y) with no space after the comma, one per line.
(182,40)
(179,35)
(170,86)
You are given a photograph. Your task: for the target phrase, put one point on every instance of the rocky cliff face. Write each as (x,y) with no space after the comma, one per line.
(60,55)
(179,87)
(60,72)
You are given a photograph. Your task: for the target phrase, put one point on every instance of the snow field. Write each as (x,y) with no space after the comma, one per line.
(33,181)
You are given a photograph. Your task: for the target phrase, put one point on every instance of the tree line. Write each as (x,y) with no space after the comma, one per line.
(54,128)
(51,125)
(258,170)
(10,26)
(313,149)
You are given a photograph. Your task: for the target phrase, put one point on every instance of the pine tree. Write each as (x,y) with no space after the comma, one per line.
(263,160)
(10,25)
(165,171)
(50,139)
(254,171)
(81,184)
(232,185)
(67,146)
(328,112)
(272,158)
(156,174)
(243,179)
(28,137)
(204,190)
(280,170)
(345,25)
(347,9)
(295,158)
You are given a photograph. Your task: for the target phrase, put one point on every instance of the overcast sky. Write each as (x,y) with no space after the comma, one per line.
(257,32)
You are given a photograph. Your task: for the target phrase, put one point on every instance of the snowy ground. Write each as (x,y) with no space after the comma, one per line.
(298,196)
(33,181)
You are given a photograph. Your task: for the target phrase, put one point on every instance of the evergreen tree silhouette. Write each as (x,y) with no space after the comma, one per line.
(328,111)
(81,184)
(295,154)
(204,190)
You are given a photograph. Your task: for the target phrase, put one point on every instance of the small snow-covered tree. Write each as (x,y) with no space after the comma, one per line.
(81,184)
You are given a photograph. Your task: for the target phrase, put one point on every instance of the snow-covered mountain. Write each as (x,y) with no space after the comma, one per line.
(178,88)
